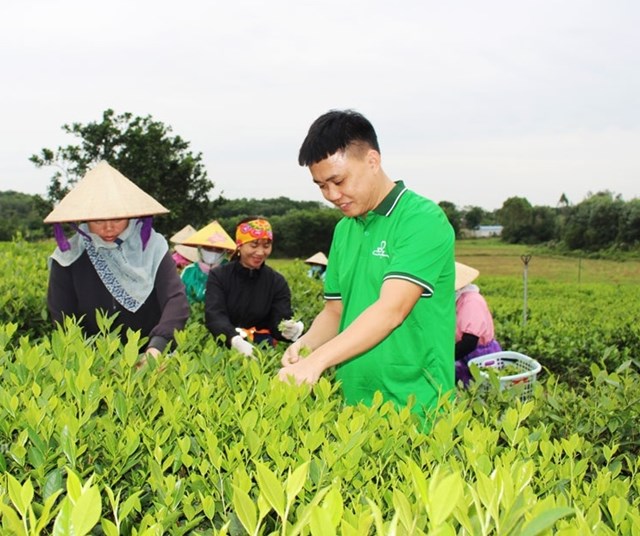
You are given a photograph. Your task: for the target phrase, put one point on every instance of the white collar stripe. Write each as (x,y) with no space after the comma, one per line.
(395,202)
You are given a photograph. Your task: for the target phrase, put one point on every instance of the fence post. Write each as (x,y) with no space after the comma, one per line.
(525,260)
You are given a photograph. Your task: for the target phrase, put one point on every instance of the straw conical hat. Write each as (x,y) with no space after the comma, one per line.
(185,232)
(464,275)
(189,253)
(213,235)
(317,258)
(104,194)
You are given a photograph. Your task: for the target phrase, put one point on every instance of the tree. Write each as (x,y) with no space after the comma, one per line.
(453,215)
(516,218)
(22,214)
(144,151)
(301,233)
(595,223)
(473,218)
(629,234)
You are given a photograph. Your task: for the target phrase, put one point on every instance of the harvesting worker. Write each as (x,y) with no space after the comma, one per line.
(115,261)
(213,245)
(246,301)
(388,320)
(474,323)
(317,265)
(182,255)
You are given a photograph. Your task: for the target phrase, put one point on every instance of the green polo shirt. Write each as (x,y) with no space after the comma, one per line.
(406,237)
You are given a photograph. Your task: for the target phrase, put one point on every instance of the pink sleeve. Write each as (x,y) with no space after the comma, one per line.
(473,316)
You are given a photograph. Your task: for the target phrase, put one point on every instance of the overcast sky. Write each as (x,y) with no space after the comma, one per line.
(473,101)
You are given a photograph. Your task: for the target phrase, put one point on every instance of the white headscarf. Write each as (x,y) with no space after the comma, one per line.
(126,269)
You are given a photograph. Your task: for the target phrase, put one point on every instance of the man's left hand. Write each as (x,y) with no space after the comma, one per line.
(304,371)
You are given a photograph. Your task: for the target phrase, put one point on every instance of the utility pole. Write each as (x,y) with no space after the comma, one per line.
(525,260)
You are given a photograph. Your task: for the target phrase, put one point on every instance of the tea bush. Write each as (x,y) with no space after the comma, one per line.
(203,441)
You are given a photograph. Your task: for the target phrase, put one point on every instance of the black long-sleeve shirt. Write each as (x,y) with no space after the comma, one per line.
(78,290)
(239,297)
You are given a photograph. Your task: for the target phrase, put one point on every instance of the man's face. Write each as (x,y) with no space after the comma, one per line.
(346,179)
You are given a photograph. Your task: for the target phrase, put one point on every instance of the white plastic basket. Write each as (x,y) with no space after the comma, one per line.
(527,367)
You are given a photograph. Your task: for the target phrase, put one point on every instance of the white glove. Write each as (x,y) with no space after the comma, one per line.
(242,346)
(291,329)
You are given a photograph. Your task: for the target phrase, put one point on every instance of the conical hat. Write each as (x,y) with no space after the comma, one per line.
(213,235)
(317,258)
(188,252)
(464,275)
(104,194)
(185,232)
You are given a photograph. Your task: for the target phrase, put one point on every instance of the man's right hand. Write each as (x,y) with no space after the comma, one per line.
(292,354)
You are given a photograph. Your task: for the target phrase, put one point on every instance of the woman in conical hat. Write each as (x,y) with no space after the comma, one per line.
(474,323)
(246,301)
(183,255)
(115,261)
(212,245)
(317,265)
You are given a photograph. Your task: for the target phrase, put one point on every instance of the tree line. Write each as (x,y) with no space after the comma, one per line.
(162,164)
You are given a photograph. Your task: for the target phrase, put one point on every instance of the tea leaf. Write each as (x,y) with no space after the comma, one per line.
(20,495)
(545,521)
(11,521)
(109,527)
(271,488)
(63,525)
(245,509)
(52,484)
(443,498)
(295,481)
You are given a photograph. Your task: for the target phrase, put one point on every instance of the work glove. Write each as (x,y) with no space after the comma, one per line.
(291,329)
(244,347)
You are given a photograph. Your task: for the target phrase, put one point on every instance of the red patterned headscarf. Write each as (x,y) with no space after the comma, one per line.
(253,230)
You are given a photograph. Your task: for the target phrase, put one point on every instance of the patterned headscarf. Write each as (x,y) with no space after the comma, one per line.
(253,230)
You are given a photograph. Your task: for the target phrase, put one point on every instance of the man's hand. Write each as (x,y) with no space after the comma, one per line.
(304,371)
(292,354)
(291,329)
(244,347)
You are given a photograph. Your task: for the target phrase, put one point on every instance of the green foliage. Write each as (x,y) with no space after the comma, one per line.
(236,209)
(22,214)
(453,215)
(569,326)
(145,152)
(300,228)
(206,441)
(306,292)
(23,286)
(515,218)
(473,217)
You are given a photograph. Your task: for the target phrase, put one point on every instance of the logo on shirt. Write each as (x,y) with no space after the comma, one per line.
(380,250)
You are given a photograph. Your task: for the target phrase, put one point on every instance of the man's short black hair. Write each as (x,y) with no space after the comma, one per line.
(336,131)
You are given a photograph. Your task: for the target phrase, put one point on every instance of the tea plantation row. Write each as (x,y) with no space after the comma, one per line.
(205,442)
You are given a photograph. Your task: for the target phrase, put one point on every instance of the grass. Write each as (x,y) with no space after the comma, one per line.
(494,258)
(497,259)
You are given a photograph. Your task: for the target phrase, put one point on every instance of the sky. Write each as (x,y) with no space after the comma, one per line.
(474,102)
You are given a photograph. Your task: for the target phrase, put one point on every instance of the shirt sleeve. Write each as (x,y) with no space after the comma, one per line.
(280,306)
(216,315)
(422,250)
(172,301)
(61,294)
(473,316)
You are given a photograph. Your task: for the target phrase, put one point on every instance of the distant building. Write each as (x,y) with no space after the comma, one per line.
(484,231)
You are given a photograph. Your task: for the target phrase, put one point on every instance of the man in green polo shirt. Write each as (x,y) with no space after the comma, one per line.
(388,322)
